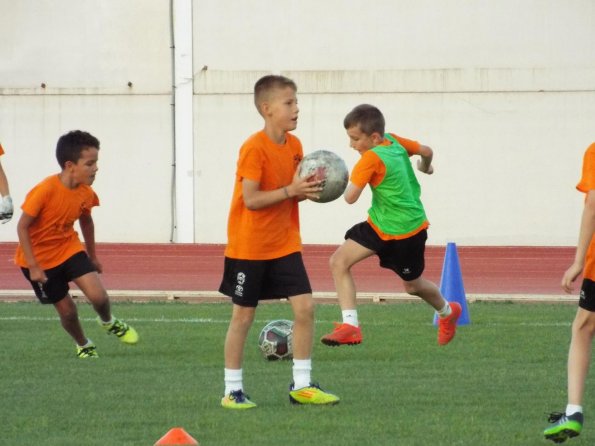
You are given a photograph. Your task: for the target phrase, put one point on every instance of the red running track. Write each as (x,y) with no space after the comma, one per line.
(194,267)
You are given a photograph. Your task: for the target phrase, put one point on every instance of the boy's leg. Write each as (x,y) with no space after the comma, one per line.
(427,290)
(237,332)
(69,319)
(93,289)
(235,340)
(302,390)
(579,354)
(567,424)
(448,313)
(341,262)
(303,325)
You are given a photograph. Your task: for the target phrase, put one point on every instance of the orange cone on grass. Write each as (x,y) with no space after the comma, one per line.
(177,436)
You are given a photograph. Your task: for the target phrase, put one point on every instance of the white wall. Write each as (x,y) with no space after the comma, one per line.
(86,53)
(503,91)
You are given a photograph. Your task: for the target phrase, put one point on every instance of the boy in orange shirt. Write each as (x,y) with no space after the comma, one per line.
(570,422)
(263,256)
(395,230)
(50,252)
(6,208)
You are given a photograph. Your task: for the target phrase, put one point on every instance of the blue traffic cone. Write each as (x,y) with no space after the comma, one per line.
(451,283)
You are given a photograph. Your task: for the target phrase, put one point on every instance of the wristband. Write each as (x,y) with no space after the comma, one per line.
(285,190)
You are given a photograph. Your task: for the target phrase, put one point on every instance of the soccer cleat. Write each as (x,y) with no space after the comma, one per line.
(237,399)
(563,426)
(122,330)
(312,394)
(87,352)
(447,326)
(343,334)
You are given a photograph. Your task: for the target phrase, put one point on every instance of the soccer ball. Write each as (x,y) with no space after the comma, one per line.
(275,340)
(329,168)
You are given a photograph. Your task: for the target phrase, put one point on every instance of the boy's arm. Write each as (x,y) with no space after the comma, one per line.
(352,193)
(425,163)
(36,274)
(300,188)
(6,208)
(88,231)
(584,239)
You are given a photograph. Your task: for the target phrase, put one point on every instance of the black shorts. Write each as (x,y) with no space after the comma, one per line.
(587,296)
(56,288)
(248,281)
(405,256)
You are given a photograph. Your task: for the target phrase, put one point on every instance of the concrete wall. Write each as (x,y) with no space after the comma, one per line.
(504,92)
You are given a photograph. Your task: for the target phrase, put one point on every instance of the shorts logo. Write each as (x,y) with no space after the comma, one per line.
(582,295)
(406,271)
(240,278)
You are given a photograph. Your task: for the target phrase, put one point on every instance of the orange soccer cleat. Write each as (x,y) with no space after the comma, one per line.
(343,334)
(447,326)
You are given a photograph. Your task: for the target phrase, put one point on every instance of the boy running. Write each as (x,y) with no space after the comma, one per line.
(395,230)
(50,252)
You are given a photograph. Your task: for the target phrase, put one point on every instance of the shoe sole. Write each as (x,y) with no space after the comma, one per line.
(333,343)
(562,436)
(292,400)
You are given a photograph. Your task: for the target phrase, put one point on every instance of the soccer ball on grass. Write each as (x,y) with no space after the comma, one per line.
(275,340)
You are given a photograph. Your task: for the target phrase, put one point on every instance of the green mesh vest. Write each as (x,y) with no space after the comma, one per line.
(396,205)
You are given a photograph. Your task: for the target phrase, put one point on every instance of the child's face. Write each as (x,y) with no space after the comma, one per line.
(281,109)
(83,172)
(361,142)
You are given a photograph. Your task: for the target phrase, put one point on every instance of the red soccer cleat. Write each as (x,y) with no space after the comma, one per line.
(447,326)
(343,334)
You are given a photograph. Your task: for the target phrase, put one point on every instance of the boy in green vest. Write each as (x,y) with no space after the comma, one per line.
(396,227)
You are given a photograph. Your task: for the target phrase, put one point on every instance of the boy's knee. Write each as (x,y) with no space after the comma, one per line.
(67,312)
(584,322)
(411,287)
(305,311)
(337,263)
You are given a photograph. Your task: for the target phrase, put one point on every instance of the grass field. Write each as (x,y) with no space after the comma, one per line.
(493,385)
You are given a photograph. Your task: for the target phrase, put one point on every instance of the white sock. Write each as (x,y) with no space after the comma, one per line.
(89,343)
(350,317)
(110,322)
(302,369)
(445,310)
(573,408)
(233,380)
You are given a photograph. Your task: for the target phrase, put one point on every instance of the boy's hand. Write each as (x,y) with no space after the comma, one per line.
(570,276)
(425,167)
(302,188)
(36,274)
(6,209)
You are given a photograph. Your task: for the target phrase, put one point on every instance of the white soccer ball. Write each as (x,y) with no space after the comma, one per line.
(275,340)
(328,167)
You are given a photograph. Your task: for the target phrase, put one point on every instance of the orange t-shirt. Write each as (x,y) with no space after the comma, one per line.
(1,150)
(371,169)
(55,208)
(587,184)
(274,231)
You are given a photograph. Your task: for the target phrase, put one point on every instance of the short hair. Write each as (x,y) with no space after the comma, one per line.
(71,145)
(367,117)
(266,84)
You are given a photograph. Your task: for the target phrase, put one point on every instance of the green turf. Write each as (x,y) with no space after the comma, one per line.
(493,385)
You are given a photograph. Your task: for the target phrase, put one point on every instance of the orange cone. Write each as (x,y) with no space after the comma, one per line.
(177,436)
